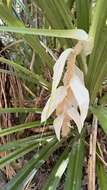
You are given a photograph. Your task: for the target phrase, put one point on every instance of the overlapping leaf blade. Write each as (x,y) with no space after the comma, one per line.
(8,17)
(83,8)
(25,141)
(20,127)
(57,9)
(97,66)
(17,154)
(101,113)
(28,74)
(70,3)
(102,176)
(57,172)
(34,163)
(74,173)
(98,60)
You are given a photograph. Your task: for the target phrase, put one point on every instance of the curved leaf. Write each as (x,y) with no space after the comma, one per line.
(77,34)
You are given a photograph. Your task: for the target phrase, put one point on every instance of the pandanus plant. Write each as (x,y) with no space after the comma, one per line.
(76,89)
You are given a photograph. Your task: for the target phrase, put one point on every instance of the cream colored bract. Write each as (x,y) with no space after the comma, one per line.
(71,101)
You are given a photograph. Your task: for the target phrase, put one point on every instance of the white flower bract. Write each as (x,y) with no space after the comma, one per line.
(71,101)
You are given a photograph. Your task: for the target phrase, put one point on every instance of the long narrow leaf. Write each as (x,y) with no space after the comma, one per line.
(20,127)
(56,9)
(34,163)
(8,17)
(83,8)
(99,19)
(98,59)
(101,113)
(102,176)
(74,174)
(70,3)
(74,33)
(17,154)
(103,100)
(97,66)
(57,172)
(20,110)
(34,77)
(25,141)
